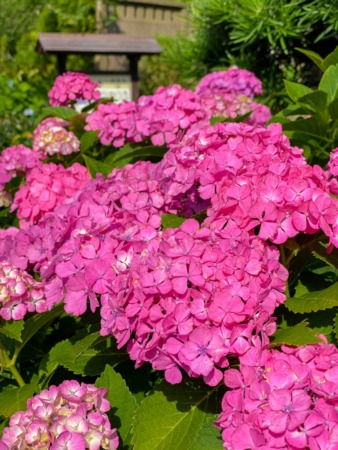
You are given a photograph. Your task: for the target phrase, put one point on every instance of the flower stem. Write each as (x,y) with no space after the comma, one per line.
(10,365)
(285,264)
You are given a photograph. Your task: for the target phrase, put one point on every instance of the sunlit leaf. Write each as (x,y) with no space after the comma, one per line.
(121,401)
(314,301)
(300,334)
(172,415)
(172,221)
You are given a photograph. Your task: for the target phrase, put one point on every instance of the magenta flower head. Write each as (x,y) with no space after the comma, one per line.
(231,81)
(71,416)
(282,399)
(71,87)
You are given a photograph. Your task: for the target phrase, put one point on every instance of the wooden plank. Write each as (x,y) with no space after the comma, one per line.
(109,43)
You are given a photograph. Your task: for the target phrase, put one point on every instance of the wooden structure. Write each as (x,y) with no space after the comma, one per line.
(139,18)
(133,47)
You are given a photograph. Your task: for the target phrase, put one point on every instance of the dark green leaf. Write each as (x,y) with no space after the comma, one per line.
(300,334)
(121,400)
(329,82)
(90,362)
(94,166)
(37,321)
(130,152)
(12,329)
(333,109)
(172,221)
(296,90)
(57,111)
(87,140)
(314,301)
(336,326)
(13,400)
(321,253)
(317,59)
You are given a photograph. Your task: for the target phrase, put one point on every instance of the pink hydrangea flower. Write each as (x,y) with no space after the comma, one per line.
(71,87)
(158,117)
(17,160)
(231,81)
(282,399)
(52,137)
(19,293)
(231,106)
(71,416)
(47,187)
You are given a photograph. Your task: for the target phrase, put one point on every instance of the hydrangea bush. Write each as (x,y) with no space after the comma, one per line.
(175,259)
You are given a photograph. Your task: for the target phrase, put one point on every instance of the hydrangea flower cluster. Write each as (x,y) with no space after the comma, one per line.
(47,187)
(159,117)
(14,161)
(19,293)
(282,399)
(71,87)
(52,137)
(159,291)
(190,297)
(231,81)
(65,417)
(231,106)
(253,177)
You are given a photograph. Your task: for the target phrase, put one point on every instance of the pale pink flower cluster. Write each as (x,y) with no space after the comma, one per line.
(231,81)
(231,106)
(19,293)
(47,187)
(71,416)
(282,399)
(71,87)
(52,137)
(15,161)
(158,117)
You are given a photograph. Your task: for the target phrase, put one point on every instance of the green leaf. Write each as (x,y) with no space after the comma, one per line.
(57,111)
(240,118)
(335,329)
(321,253)
(296,90)
(172,415)
(37,321)
(300,334)
(172,221)
(12,329)
(208,437)
(130,152)
(88,362)
(317,59)
(333,109)
(331,59)
(314,127)
(329,82)
(94,166)
(317,101)
(314,301)
(87,140)
(13,400)
(121,400)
